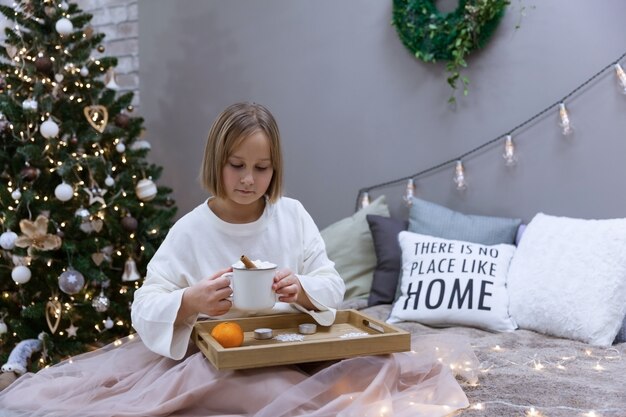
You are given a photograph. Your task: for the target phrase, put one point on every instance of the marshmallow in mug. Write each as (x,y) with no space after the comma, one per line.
(259,264)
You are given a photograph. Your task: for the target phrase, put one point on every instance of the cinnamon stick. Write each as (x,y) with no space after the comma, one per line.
(247,262)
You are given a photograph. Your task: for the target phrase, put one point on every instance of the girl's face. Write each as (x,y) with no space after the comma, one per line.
(248,170)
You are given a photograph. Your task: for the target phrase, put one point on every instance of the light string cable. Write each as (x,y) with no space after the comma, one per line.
(490,142)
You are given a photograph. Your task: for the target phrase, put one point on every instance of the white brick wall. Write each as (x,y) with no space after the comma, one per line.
(118,20)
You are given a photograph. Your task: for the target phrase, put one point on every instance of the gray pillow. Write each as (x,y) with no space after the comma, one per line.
(388,258)
(432,219)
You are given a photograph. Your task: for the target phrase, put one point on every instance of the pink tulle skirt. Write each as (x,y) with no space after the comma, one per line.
(129,380)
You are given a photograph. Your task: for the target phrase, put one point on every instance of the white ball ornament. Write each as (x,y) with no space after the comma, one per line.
(146,190)
(109,181)
(71,281)
(7,240)
(64,192)
(120,147)
(16,195)
(64,26)
(49,129)
(3,328)
(108,323)
(84,71)
(21,274)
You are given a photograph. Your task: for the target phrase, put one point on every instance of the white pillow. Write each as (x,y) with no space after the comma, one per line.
(568,278)
(453,282)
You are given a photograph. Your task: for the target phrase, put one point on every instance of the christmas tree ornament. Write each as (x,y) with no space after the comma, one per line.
(140,145)
(621,78)
(88,32)
(110,80)
(49,129)
(82,213)
(64,192)
(16,195)
(146,190)
(29,173)
(109,181)
(21,274)
(20,355)
(509,152)
(84,71)
(129,223)
(101,302)
(35,235)
(96,194)
(7,240)
(566,126)
(459,176)
(53,314)
(120,147)
(409,192)
(108,323)
(103,255)
(58,77)
(100,48)
(64,26)
(130,271)
(97,116)
(43,64)
(11,51)
(71,281)
(121,120)
(72,330)
(64,5)
(29,104)
(3,325)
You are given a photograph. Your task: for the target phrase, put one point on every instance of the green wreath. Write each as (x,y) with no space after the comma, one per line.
(435,36)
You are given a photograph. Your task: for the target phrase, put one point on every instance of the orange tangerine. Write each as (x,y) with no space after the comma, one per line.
(228,334)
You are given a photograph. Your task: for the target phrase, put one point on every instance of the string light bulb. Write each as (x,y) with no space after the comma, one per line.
(409,192)
(566,126)
(459,176)
(509,152)
(621,77)
(365,200)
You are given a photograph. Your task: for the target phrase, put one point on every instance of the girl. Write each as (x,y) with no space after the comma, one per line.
(161,373)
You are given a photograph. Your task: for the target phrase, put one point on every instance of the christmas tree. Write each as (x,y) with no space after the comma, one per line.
(80,212)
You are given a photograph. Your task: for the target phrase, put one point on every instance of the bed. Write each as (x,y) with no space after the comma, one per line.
(566,355)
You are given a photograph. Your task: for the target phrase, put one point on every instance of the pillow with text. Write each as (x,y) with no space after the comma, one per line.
(453,282)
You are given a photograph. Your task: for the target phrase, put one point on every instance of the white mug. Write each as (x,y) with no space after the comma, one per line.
(252,288)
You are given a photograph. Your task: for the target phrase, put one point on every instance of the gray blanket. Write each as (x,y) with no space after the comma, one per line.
(523,369)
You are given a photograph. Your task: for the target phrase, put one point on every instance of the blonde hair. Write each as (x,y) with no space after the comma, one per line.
(237,122)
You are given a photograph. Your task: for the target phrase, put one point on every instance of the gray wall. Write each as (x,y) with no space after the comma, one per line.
(356,109)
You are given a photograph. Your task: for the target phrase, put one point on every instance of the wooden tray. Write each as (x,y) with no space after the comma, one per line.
(326,344)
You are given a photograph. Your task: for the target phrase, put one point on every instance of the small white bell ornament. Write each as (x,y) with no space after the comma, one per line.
(130,271)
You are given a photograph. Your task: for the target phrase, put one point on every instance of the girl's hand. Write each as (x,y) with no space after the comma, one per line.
(289,289)
(209,296)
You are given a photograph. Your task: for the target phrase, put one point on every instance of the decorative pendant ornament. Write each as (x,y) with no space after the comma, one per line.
(509,152)
(109,80)
(82,213)
(109,181)
(29,104)
(96,194)
(130,271)
(16,195)
(58,77)
(97,116)
(64,192)
(84,71)
(409,192)
(120,147)
(35,236)
(621,78)
(88,32)
(44,64)
(64,26)
(103,255)
(71,281)
(53,314)
(122,120)
(7,240)
(101,302)
(129,223)
(146,189)
(108,323)
(566,126)
(72,330)
(21,274)
(29,173)
(49,129)
(459,176)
